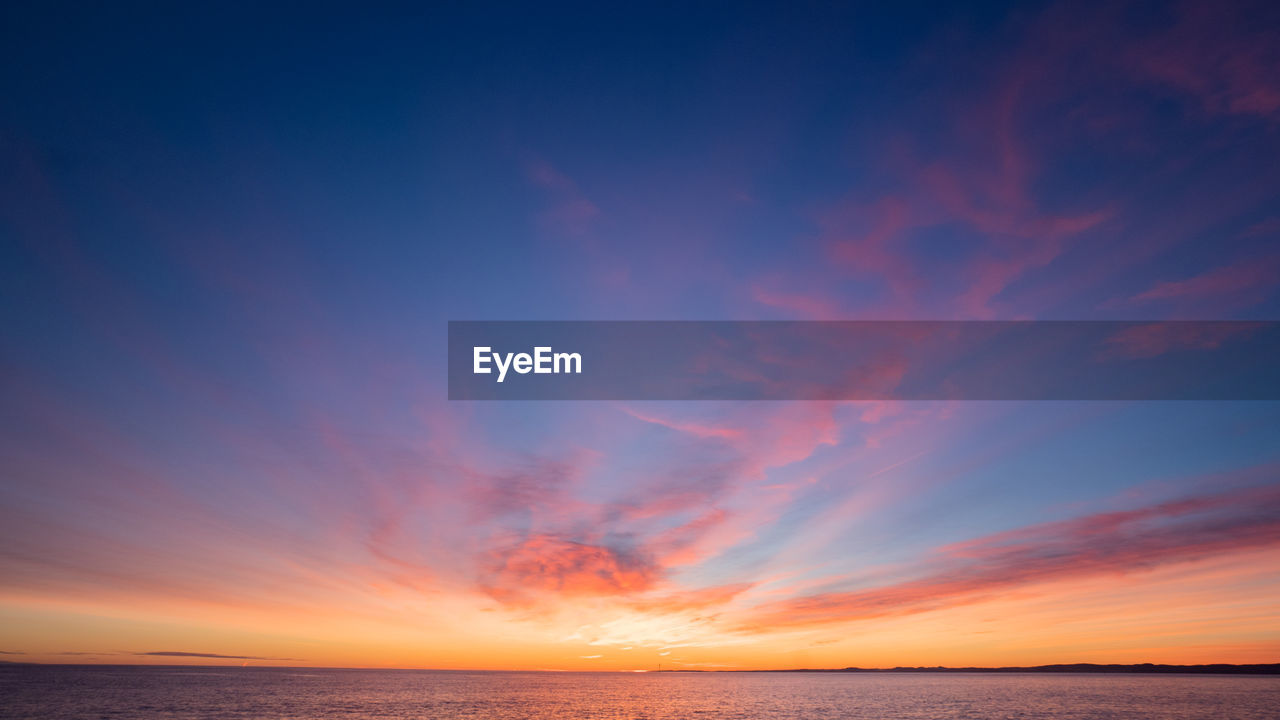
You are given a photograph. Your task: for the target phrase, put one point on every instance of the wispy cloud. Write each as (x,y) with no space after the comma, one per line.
(1104,543)
(1236,285)
(216,656)
(1153,339)
(1220,54)
(571,213)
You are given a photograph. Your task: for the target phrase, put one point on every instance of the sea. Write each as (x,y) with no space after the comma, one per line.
(101,692)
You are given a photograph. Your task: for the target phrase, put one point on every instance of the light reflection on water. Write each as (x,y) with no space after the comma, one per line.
(268,693)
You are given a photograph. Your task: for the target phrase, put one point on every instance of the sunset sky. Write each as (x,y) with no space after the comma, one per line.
(231,239)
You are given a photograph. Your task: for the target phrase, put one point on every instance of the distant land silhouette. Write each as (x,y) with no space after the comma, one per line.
(1213,669)
(1137,668)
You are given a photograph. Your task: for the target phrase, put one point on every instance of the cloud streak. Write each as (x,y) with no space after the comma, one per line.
(213,656)
(1105,543)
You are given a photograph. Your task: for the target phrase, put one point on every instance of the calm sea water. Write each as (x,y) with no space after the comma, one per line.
(264,693)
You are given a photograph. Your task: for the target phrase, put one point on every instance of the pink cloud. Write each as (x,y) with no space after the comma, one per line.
(1239,284)
(1104,543)
(571,212)
(699,430)
(547,563)
(1218,53)
(1266,228)
(1151,340)
(863,240)
(805,306)
(985,186)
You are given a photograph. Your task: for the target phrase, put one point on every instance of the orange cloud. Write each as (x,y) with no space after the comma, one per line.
(546,563)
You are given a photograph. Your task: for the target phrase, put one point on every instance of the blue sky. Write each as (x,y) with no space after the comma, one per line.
(232,238)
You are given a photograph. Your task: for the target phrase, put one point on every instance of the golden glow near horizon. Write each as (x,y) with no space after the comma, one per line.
(1199,610)
(803,554)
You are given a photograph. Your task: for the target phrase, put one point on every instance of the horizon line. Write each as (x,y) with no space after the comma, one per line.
(1063,668)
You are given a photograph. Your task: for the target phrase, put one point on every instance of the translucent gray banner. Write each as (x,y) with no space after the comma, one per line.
(864,360)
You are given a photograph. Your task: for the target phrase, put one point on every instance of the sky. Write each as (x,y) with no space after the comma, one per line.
(231,239)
